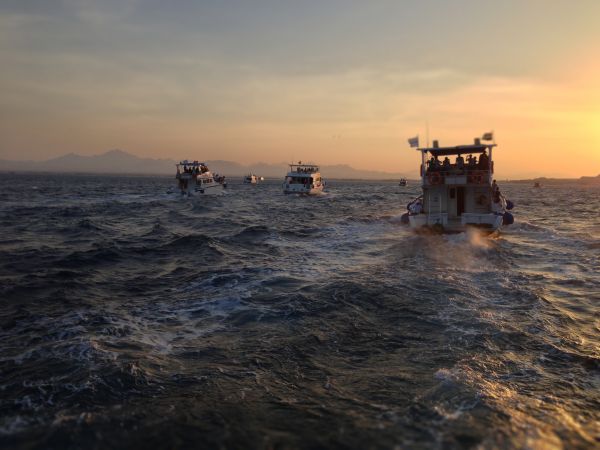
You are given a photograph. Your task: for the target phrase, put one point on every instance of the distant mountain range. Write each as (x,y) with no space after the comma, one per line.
(543,180)
(591,180)
(120,162)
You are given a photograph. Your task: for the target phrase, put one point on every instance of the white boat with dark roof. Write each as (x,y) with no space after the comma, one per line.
(303,179)
(194,178)
(458,194)
(251,179)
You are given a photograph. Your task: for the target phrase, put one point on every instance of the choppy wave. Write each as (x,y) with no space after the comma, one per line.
(133,318)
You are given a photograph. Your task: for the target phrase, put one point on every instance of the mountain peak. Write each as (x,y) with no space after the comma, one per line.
(115,152)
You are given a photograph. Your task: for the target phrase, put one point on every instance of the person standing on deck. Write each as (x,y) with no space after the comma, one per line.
(484,161)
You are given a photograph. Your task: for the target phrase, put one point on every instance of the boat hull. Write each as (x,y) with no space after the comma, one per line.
(303,191)
(440,223)
(215,189)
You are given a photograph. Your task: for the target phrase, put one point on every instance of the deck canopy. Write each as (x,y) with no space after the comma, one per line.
(457,150)
(304,168)
(314,166)
(190,163)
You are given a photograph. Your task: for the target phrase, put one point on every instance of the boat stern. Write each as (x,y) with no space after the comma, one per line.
(489,223)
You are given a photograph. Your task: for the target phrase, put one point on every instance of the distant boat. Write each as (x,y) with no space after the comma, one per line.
(537,184)
(194,178)
(403,182)
(251,179)
(460,195)
(303,179)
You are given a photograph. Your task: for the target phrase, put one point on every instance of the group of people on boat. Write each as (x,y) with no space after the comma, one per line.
(299,180)
(416,206)
(219,178)
(499,202)
(194,169)
(460,165)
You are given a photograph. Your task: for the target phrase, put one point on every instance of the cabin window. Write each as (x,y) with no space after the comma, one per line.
(452,193)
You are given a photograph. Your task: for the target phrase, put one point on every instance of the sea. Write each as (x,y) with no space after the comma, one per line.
(133,317)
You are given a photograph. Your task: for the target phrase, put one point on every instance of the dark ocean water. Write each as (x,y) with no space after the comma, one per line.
(132,318)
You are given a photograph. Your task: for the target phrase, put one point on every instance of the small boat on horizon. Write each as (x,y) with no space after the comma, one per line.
(303,179)
(251,179)
(537,184)
(403,182)
(458,195)
(194,178)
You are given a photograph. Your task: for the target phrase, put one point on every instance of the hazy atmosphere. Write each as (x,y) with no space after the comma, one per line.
(226,224)
(335,82)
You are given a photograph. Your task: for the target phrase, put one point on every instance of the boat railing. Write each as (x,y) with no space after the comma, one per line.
(454,174)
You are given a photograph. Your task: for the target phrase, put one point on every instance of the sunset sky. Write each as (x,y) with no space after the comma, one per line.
(327,81)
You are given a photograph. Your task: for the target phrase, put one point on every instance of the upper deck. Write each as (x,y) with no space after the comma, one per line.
(189,169)
(472,164)
(186,163)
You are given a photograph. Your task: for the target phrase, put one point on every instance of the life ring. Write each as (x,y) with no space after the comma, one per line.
(434,178)
(477,177)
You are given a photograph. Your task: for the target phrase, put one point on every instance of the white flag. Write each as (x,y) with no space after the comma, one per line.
(414,142)
(488,136)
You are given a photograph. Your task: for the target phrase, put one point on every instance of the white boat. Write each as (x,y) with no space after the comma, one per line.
(303,179)
(403,182)
(194,178)
(458,194)
(251,179)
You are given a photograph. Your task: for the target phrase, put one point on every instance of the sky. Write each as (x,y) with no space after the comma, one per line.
(328,81)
